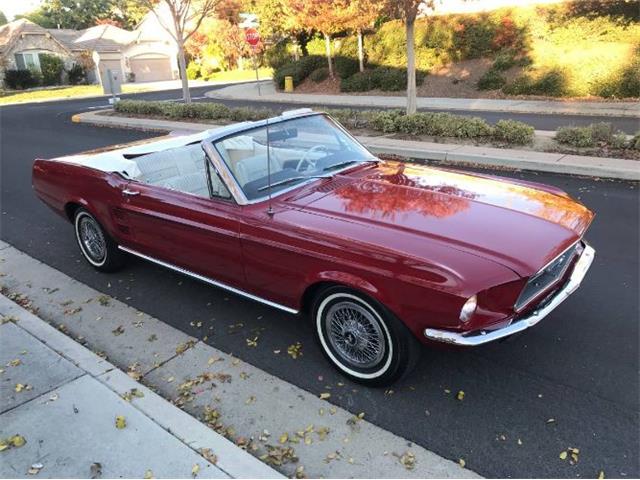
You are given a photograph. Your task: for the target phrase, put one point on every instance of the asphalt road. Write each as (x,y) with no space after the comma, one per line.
(579,367)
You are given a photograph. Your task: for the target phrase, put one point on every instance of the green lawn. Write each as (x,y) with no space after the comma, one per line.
(62,92)
(231,75)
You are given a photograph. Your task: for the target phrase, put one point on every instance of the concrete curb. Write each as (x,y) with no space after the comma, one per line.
(602,167)
(587,109)
(234,461)
(277,405)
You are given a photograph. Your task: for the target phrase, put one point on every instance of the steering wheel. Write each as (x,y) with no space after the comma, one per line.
(310,161)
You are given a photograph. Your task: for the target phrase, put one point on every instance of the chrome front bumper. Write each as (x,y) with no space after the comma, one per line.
(480,337)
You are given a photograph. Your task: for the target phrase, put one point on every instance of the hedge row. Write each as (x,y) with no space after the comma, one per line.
(196,111)
(387,121)
(596,134)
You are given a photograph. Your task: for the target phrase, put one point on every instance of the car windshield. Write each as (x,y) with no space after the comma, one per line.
(299,149)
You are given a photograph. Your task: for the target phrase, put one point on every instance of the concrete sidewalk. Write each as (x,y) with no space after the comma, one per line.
(268,93)
(289,428)
(455,154)
(64,401)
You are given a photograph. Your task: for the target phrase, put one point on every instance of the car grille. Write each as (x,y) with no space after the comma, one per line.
(546,277)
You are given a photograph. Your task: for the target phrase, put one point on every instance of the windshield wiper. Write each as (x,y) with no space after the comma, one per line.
(291,180)
(344,164)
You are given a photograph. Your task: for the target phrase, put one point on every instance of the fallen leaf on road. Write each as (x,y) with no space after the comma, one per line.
(601,475)
(183,347)
(14,363)
(284,437)
(252,342)
(121,422)
(300,472)
(209,455)
(95,471)
(118,330)
(250,400)
(563,455)
(408,460)
(20,387)
(35,469)
(148,474)
(103,300)
(194,470)
(462,462)
(551,420)
(152,338)
(325,395)
(460,395)
(295,350)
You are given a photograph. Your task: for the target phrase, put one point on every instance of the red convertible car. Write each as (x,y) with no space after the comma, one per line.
(293,212)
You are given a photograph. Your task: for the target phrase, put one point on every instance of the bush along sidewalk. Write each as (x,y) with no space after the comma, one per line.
(386,121)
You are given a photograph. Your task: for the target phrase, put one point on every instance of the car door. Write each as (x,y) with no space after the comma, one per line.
(183,221)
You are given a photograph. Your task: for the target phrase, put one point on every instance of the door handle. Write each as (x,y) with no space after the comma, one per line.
(130,193)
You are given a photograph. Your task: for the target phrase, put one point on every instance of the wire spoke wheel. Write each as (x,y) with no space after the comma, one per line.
(355,334)
(92,239)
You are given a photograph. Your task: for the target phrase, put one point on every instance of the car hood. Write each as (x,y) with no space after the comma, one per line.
(519,225)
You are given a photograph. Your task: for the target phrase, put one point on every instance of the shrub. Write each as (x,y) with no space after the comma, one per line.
(299,70)
(602,133)
(552,82)
(491,80)
(319,74)
(635,141)
(358,82)
(389,79)
(575,136)
(193,71)
(385,121)
(20,79)
(200,111)
(504,61)
(77,74)
(51,67)
(346,66)
(512,131)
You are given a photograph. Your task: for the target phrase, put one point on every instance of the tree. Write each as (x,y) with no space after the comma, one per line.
(76,14)
(325,16)
(186,18)
(278,19)
(3,18)
(362,14)
(407,10)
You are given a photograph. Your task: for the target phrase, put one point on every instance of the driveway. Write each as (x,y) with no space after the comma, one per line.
(570,382)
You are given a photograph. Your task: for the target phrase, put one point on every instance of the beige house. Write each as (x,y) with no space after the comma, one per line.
(145,54)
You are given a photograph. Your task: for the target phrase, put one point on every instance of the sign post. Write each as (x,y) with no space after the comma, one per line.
(252,37)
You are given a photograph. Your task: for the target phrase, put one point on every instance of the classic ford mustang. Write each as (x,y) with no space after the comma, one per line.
(293,212)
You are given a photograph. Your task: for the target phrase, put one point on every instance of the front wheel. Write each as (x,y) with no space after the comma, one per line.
(97,247)
(362,338)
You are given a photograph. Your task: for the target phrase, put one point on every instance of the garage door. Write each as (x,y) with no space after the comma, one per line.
(113,65)
(151,69)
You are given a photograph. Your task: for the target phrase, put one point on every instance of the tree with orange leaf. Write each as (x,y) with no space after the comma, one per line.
(361,15)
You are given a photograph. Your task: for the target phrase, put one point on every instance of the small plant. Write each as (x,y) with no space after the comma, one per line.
(491,80)
(514,132)
(319,74)
(52,68)
(575,136)
(346,66)
(77,74)
(21,79)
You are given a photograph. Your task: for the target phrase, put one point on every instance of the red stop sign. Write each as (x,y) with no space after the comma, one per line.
(252,36)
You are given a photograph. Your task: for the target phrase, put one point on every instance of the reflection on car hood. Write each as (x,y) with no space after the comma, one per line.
(515,224)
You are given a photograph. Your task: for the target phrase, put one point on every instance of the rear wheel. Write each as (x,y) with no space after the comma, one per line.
(97,247)
(361,338)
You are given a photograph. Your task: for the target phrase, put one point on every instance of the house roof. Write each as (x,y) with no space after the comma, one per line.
(101,38)
(10,31)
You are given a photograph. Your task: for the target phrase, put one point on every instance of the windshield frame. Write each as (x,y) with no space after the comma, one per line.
(221,166)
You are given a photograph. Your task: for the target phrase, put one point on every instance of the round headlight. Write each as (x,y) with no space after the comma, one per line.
(468,308)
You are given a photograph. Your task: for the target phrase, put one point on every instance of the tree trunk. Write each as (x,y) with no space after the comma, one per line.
(182,65)
(360,51)
(411,69)
(327,43)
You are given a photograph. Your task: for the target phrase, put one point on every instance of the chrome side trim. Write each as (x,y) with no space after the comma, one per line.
(474,339)
(208,280)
